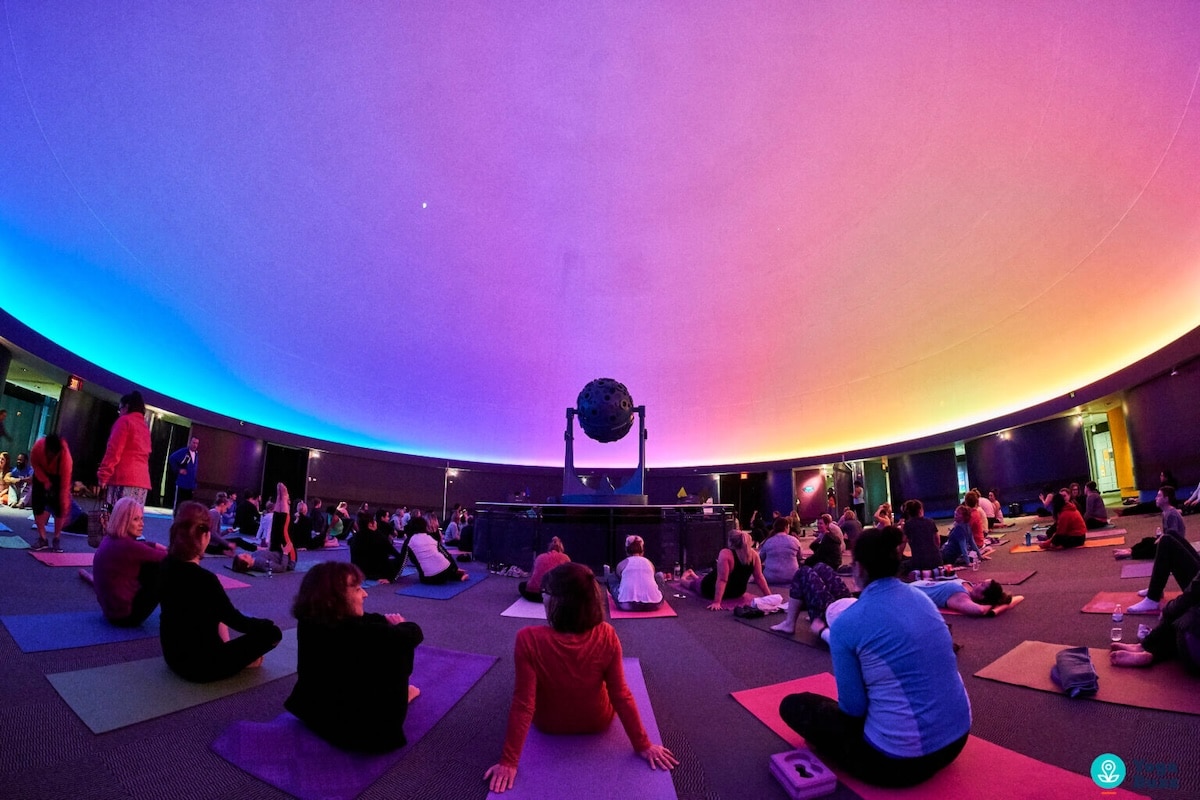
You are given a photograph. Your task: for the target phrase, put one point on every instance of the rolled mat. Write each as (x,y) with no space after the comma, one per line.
(135,691)
(1140,569)
(1110,541)
(1105,602)
(1038,780)
(525,609)
(287,755)
(35,633)
(441,591)
(63,559)
(1165,686)
(596,766)
(664,610)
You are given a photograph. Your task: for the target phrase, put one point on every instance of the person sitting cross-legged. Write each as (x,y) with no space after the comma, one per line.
(1177,635)
(634,584)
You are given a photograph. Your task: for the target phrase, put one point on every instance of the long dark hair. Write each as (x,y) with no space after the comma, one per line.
(322,596)
(187,531)
(574,605)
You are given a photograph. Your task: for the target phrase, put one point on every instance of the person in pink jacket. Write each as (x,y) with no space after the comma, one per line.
(125,468)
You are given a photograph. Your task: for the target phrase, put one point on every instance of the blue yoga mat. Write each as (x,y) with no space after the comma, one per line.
(35,633)
(441,591)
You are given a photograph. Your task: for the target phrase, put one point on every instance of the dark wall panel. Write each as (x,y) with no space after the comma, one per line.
(227,461)
(1023,461)
(931,477)
(85,422)
(1163,419)
(810,494)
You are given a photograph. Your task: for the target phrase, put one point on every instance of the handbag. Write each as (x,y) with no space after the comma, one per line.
(97,522)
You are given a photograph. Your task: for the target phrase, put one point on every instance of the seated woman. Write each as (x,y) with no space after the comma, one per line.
(570,679)
(1177,634)
(902,712)
(634,584)
(197,614)
(125,570)
(960,544)
(922,535)
(553,557)
(735,565)
(1095,513)
(372,551)
(433,563)
(883,515)
(981,599)
(1069,528)
(813,588)
(352,669)
(780,553)
(1000,523)
(827,547)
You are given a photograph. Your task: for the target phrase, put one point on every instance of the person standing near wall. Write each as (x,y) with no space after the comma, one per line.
(125,469)
(183,464)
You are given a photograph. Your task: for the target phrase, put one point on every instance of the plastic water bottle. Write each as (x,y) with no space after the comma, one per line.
(1118,613)
(973,558)
(1028,538)
(678,570)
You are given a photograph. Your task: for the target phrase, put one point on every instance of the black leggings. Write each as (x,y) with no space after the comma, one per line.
(230,657)
(838,737)
(1175,557)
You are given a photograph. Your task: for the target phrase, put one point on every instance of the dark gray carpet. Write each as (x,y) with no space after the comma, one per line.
(691,664)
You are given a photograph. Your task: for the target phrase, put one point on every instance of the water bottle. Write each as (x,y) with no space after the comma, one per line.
(973,558)
(1118,613)
(678,570)
(1028,538)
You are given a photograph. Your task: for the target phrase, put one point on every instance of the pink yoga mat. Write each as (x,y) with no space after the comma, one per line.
(231,583)
(63,559)
(1104,602)
(1025,778)
(1139,569)
(664,610)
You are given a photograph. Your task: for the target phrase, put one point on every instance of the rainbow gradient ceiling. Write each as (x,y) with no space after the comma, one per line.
(790,228)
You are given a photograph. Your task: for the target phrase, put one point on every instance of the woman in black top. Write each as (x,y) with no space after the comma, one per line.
(197,614)
(353,669)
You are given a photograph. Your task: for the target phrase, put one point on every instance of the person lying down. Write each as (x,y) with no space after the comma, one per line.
(979,599)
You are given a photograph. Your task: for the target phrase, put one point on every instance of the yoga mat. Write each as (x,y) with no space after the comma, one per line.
(441,591)
(1141,569)
(1006,578)
(664,610)
(35,633)
(525,609)
(1166,686)
(1104,533)
(63,559)
(596,766)
(231,583)
(13,543)
(286,755)
(1037,780)
(4,528)
(113,696)
(803,634)
(1104,602)
(950,612)
(1033,548)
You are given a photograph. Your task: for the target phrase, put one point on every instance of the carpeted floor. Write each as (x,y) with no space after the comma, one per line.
(691,664)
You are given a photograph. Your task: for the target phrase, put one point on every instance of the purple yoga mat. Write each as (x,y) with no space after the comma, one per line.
(289,757)
(598,766)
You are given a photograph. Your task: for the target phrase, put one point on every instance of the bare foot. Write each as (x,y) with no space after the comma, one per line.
(1126,553)
(413,693)
(255,664)
(384,581)
(464,577)
(784,627)
(817,626)
(1124,658)
(1128,647)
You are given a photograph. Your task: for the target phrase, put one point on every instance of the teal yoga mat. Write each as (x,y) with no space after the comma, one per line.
(117,695)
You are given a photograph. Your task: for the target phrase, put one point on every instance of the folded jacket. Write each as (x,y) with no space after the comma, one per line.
(1074,673)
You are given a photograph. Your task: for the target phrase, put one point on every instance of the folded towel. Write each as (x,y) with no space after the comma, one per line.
(768,604)
(1074,673)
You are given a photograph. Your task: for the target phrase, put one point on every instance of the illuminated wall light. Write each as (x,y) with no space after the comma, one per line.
(74,383)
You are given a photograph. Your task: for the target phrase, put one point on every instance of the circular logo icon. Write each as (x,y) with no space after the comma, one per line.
(1108,771)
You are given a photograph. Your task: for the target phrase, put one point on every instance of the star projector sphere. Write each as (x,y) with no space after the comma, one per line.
(605,410)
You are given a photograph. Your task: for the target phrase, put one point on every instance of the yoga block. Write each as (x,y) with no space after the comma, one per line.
(802,774)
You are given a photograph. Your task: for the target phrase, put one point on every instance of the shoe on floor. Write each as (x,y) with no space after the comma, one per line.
(1143,592)
(57,546)
(1143,606)
(40,544)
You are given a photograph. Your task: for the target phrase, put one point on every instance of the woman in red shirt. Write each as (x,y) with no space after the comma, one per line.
(1069,528)
(570,679)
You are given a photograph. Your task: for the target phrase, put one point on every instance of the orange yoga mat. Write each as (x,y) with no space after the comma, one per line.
(1165,686)
(1112,541)
(1010,775)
